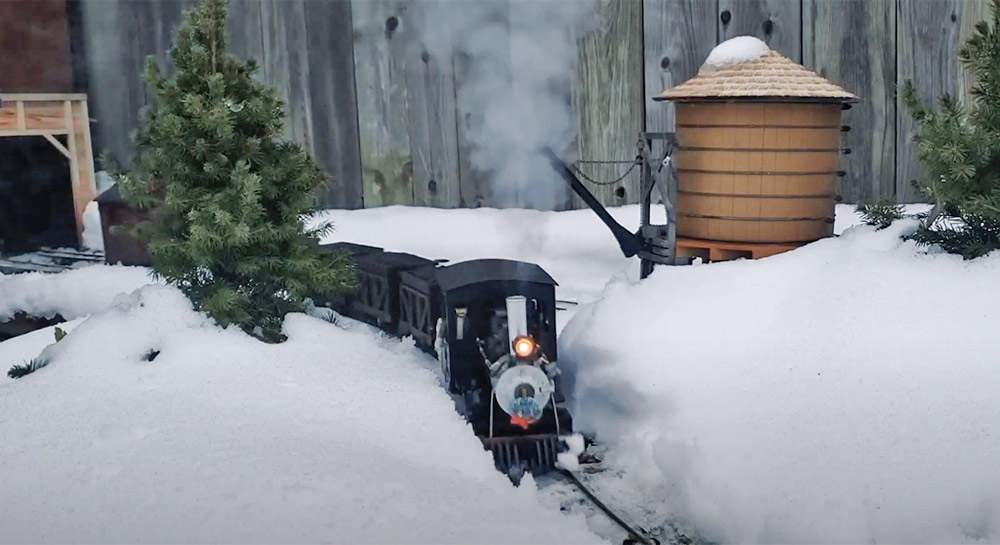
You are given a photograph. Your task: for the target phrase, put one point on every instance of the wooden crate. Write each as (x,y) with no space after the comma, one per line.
(55,116)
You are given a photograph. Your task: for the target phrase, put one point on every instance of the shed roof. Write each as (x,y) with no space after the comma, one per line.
(772,76)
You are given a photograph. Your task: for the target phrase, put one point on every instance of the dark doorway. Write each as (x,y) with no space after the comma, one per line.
(36,196)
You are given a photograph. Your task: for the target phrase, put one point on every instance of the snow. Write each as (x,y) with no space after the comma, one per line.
(844,392)
(337,435)
(570,458)
(25,347)
(847,216)
(735,51)
(71,294)
(93,237)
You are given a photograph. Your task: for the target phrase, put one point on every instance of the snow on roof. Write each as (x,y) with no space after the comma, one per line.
(735,51)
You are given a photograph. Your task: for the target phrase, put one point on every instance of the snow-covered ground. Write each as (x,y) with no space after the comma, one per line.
(334,436)
(844,392)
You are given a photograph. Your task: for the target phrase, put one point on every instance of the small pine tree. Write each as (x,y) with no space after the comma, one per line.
(227,197)
(959,148)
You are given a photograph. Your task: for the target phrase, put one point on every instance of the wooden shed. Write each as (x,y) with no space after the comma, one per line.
(759,158)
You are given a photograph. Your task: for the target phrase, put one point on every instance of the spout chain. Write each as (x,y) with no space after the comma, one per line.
(634,162)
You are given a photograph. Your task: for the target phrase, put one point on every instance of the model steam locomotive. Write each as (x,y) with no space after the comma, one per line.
(491,325)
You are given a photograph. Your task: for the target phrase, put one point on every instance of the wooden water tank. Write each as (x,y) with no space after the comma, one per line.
(759,155)
(757,172)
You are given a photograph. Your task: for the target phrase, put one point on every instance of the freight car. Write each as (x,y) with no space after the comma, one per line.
(491,325)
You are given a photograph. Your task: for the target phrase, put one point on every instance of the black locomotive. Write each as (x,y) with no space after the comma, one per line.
(491,323)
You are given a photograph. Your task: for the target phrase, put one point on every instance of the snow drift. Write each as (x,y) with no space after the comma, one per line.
(845,392)
(72,294)
(149,424)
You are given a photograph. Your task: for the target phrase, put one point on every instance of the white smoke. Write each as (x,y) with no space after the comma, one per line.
(516,62)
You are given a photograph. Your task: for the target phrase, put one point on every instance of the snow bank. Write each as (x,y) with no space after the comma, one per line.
(845,392)
(573,246)
(735,51)
(334,436)
(93,237)
(72,294)
(23,348)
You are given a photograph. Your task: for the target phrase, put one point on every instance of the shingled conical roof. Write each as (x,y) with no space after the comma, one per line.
(770,76)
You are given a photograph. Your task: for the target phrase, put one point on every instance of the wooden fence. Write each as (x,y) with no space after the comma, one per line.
(385,119)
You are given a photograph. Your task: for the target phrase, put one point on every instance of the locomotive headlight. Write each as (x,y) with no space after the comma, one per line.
(524,347)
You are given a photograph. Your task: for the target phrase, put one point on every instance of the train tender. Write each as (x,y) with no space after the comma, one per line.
(491,324)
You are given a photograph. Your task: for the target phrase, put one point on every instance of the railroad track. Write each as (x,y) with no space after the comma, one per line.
(635,535)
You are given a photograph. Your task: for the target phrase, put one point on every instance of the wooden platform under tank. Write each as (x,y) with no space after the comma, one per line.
(713,250)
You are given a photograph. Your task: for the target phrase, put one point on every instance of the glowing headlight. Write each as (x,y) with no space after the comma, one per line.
(524,347)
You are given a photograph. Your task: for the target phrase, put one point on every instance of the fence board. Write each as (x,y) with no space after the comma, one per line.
(678,35)
(430,93)
(539,187)
(284,33)
(610,98)
(244,32)
(973,11)
(333,104)
(109,103)
(929,33)
(777,22)
(379,64)
(852,43)
(476,187)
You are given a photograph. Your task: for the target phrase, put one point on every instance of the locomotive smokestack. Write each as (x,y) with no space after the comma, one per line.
(517,319)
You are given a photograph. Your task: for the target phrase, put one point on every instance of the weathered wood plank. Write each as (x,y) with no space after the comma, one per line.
(927,53)
(333,102)
(476,186)
(852,43)
(610,99)
(379,67)
(245,33)
(286,66)
(973,11)
(678,35)
(430,88)
(161,18)
(105,52)
(777,22)
(543,60)
(119,35)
